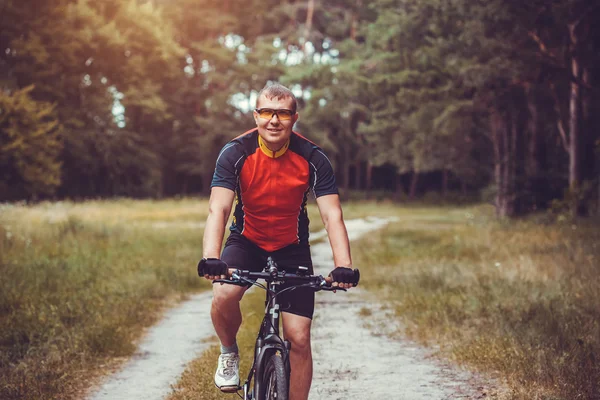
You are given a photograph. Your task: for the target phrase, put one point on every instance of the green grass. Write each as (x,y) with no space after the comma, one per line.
(519,299)
(81,281)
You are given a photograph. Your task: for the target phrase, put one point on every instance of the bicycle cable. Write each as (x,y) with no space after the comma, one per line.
(311,285)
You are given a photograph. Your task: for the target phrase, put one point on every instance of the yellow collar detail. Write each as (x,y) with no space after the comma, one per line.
(271,153)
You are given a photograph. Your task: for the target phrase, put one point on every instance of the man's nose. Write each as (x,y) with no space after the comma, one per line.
(274,119)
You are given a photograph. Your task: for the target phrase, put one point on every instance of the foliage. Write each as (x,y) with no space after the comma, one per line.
(411,84)
(30,146)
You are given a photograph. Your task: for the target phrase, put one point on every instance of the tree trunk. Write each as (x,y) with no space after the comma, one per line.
(398,189)
(444,183)
(498,138)
(507,171)
(414,180)
(590,136)
(341,172)
(507,128)
(184,185)
(346,174)
(206,181)
(358,175)
(369,177)
(519,177)
(592,123)
(351,175)
(586,99)
(575,132)
(535,151)
(574,125)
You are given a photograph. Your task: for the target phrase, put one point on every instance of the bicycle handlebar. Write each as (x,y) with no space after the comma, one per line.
(319,282)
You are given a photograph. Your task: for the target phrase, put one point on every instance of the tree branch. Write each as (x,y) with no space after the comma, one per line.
(542,45)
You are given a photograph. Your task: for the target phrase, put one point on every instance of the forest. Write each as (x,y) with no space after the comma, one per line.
(493,100)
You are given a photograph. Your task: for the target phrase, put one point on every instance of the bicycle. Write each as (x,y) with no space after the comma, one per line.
(270,371)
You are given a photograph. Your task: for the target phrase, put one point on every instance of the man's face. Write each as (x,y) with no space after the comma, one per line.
(274,131)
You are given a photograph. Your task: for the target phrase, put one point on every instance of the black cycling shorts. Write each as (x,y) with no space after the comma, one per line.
(241,253)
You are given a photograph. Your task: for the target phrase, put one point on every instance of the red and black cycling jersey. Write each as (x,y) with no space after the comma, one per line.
(271,188)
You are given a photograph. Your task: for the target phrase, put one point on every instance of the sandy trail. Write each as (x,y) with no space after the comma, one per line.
(351,360)
(182,335)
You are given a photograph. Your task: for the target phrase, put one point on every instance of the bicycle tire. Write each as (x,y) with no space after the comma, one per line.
(274,379)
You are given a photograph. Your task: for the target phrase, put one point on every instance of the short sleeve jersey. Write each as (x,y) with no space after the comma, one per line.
(271,188)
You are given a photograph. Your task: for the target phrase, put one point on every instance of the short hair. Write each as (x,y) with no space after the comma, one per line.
(278,91)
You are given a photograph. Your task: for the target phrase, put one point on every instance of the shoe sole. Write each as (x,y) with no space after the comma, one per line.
(228,389)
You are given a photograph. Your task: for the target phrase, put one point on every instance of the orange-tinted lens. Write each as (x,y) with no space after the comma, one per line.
(267,113)
(284,115)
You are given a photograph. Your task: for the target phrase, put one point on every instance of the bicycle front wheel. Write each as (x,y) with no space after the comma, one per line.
(274,380)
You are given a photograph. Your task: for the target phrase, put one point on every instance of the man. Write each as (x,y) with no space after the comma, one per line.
(269,172)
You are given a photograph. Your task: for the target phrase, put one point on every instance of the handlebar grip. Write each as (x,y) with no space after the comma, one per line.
(354,282)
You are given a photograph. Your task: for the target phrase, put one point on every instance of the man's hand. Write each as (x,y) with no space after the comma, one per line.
(212,268)
(344,277)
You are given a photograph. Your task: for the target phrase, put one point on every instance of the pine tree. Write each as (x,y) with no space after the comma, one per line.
(30,146)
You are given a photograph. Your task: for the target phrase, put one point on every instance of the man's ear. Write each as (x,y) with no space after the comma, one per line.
(295,118)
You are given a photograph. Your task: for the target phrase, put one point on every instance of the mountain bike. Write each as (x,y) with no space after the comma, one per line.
(269,375)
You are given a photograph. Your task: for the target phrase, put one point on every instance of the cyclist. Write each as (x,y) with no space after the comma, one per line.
(269,172)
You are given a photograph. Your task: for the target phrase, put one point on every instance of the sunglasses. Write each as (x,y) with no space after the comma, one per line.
(267,113)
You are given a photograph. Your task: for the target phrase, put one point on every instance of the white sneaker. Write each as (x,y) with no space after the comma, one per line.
(227,377)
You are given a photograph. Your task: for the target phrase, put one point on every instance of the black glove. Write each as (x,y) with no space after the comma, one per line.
(212,267)
(345,275)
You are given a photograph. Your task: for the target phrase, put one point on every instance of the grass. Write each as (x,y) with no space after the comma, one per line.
(519,299)
(81,281)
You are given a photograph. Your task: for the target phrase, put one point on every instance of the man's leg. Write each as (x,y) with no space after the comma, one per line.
(296,329)
(225,312)
(227,318)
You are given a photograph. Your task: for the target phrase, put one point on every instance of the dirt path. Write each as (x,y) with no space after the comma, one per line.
(182,335)
(351,359)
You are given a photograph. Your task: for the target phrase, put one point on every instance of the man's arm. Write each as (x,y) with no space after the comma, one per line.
(219,207)
(331,214)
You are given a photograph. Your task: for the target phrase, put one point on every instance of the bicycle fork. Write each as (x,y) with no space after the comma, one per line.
(268,342)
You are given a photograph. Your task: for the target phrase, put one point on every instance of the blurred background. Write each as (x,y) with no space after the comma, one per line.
(443,113)
(494,100)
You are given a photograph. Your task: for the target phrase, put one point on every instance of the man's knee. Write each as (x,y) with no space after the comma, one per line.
(226,295)
(297,331)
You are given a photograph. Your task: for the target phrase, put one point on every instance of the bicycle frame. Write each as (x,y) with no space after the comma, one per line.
(268,341)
